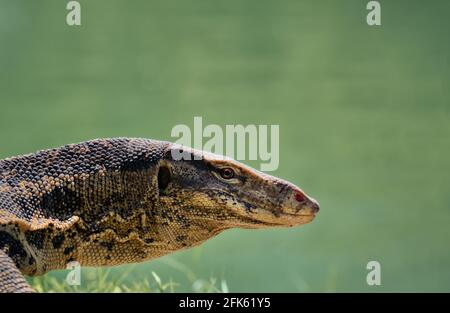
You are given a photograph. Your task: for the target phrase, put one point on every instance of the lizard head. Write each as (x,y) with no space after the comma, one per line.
(225,193)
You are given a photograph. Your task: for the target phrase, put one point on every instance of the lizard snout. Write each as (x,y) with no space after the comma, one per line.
(300,204)
(310,203)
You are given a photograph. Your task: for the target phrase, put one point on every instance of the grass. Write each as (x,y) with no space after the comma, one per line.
(105,280)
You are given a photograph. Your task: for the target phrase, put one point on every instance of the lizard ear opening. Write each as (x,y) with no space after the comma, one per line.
(164,177)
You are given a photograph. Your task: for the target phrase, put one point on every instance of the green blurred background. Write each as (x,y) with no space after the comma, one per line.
(363,114)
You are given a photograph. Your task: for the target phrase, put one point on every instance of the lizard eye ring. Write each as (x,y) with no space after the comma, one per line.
(227,173)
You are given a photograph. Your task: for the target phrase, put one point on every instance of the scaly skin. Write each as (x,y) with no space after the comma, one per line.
(125,200)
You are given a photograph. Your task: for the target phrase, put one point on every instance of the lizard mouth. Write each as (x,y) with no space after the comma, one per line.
(290,219)
(300,215)
(269,219)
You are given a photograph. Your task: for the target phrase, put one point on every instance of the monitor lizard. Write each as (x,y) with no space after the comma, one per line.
(112,201)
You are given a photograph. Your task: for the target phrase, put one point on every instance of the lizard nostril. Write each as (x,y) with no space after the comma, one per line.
(300,197)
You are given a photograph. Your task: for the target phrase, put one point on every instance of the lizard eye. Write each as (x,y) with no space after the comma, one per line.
(227,173)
